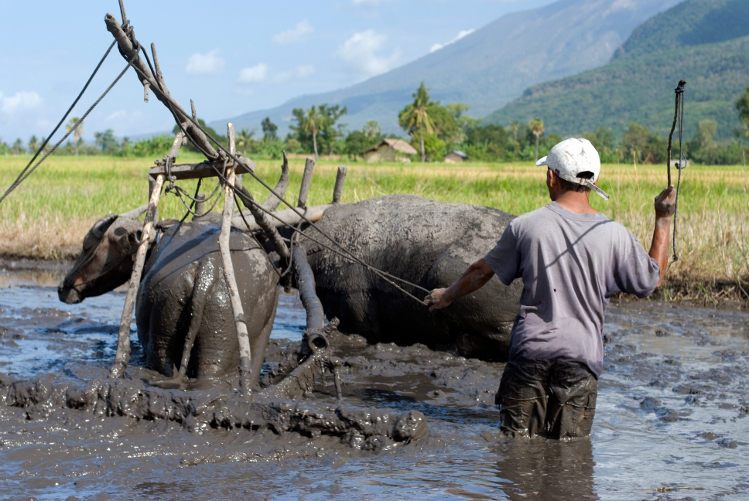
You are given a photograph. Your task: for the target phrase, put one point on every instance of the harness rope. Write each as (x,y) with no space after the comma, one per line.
(343,252)
(22,176)
(223,152)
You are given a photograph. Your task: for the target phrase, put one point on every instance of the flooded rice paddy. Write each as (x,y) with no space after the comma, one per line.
(672,420)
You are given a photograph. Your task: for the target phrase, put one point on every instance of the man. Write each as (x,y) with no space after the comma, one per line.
(571,259)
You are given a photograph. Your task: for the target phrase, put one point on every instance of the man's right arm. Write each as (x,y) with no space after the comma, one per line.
(665,206)
(475,277)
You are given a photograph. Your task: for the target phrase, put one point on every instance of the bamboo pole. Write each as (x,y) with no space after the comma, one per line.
(245,353)
(123,340)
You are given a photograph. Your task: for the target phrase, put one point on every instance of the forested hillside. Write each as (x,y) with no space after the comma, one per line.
(705,42)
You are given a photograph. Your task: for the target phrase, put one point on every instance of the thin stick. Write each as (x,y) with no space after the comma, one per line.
(122,12)
(243,338)
(123,340)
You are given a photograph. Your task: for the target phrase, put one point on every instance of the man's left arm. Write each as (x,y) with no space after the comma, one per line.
(665,206)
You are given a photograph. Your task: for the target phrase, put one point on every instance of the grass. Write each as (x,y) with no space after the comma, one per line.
(49,214)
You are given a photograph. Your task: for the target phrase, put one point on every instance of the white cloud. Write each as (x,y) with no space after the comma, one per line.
(462,34)
(117,115)
(282,77)
(368,3)
(305,71)
(243,91)
(254,74)
(205,64)
(20,101)
(295,35)
(299,72)
(360,54)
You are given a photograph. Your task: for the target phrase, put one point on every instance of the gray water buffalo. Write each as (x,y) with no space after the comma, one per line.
(183,310)
(427,243)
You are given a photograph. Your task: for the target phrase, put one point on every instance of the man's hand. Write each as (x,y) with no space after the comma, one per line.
(475,277)
(665,203)
(437,299)
(665,206)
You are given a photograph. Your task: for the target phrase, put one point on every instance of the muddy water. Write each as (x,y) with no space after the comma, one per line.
(672,419)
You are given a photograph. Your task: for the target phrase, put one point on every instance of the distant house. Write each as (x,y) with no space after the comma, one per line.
(455,157)
(389,150)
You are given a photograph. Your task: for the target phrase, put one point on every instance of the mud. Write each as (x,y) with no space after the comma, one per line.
(671,421)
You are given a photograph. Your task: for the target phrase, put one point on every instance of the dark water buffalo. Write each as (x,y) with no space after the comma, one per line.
(183,310)
(427,243)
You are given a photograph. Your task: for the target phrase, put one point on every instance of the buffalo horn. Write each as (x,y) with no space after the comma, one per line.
(135,213)
(102,225)
(271,203)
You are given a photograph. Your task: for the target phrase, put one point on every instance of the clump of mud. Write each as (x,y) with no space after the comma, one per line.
(199,410)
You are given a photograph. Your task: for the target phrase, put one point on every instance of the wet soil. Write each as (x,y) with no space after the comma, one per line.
(671,422)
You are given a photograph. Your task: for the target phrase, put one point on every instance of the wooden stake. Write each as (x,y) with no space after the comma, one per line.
(123,340)
(245,353)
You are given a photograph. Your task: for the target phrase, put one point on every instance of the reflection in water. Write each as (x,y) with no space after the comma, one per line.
(546,469)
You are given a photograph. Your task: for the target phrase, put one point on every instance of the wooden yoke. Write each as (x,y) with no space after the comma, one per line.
(245,353)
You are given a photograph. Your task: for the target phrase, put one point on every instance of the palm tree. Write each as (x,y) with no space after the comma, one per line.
(313,123)
(33,144)
(372,129)
(18,147)
(244,140)
(537,128)
(416,116)
(77,134)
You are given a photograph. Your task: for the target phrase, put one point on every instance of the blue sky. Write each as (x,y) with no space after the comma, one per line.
(229,56)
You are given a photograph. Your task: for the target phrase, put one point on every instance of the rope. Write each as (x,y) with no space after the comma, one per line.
(249,230)
(384,275)
(72,129)
(181,194)
(19,179)
(226,153)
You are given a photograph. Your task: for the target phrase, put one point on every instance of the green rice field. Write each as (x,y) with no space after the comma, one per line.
(48,215)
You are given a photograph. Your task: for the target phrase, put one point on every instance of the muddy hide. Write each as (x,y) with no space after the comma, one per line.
(183,305)
(427,243)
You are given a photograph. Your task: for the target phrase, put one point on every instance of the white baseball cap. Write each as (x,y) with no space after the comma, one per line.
(570,158)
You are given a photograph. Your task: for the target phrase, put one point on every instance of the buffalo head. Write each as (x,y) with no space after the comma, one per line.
(106,260)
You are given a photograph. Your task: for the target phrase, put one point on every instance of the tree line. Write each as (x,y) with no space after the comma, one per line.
(432,128)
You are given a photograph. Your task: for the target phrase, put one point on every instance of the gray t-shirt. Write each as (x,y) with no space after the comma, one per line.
(570,264)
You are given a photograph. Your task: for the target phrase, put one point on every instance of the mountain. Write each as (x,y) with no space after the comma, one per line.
(489,67)
(705,42)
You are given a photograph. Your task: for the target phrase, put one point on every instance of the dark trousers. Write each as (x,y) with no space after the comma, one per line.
(555,399)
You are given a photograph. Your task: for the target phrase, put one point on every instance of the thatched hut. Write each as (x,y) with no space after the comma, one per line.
(390,150)
(455,157)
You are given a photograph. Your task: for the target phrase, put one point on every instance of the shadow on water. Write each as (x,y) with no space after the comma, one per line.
(673,411)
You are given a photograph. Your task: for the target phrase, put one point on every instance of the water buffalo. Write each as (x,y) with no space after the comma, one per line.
(183,310)
(427,243)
